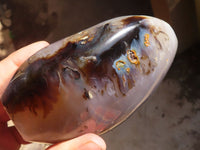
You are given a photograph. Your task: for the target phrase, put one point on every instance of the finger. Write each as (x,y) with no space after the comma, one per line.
(9,65)
(18,57)
(85,142)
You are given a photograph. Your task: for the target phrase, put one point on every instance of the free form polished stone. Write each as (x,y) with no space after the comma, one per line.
(90,81)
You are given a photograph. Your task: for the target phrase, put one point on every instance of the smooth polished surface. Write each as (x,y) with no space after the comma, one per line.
(91,81)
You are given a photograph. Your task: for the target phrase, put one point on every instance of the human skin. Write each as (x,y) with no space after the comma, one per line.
(9,136)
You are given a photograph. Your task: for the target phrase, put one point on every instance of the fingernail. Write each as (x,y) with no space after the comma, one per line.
(90,146)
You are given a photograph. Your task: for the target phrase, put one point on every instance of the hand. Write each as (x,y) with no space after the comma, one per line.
(9,137)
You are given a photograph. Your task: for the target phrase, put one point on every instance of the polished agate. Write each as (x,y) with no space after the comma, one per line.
(90,81)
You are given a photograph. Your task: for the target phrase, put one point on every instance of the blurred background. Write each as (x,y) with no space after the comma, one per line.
(170,118)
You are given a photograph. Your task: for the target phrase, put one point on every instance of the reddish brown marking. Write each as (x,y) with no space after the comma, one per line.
(111,115)
(86,94)
(146,40)
(128,70)
(84,115)
(133,19)
(132,57)
(120,64)
(124,80)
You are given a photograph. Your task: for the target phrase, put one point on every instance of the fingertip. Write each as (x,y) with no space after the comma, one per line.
(97,140)
(31,48)
(40,44)
(19,56)
(88,141)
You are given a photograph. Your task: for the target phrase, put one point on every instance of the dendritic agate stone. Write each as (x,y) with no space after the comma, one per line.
(90,81)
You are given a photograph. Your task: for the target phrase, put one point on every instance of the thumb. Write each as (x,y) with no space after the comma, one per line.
(85,142)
